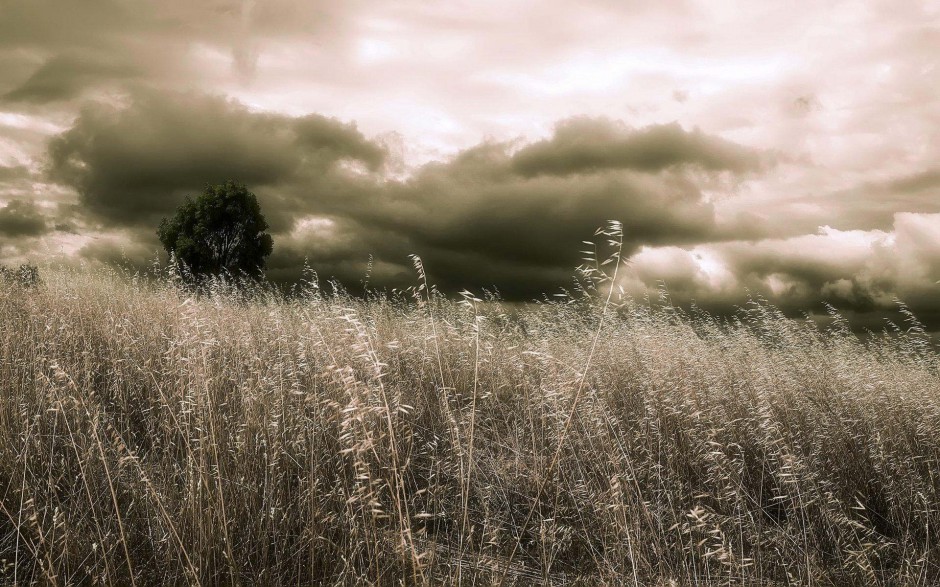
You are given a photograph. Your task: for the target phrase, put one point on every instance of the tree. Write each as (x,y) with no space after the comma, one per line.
(220,232)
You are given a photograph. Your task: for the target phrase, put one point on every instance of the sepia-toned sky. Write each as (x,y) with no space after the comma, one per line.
(789,150)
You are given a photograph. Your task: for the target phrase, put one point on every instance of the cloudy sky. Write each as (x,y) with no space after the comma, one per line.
(785,149)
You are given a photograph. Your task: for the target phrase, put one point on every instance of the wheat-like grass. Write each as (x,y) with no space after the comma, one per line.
(150,436)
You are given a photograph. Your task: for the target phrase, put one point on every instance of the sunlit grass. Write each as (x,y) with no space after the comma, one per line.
(152,437)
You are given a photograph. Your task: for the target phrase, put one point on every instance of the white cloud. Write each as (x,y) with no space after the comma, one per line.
(856,270)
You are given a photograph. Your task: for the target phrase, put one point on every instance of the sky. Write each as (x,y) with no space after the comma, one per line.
(783,150)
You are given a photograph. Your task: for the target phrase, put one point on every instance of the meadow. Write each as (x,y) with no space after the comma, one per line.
(149,436)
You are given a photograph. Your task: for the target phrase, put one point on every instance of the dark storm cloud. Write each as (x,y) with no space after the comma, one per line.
(588,144)
(480,219)
(480,222)
(61,50)
(485,218)
(333,141)
(21,218)
(44,24)
(341,248)
(65,77)
(133,165)
(76,46)
(515,218)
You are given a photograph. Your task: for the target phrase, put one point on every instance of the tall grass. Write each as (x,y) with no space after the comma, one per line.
(150,437)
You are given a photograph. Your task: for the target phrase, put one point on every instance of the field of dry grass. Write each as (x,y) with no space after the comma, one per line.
(148,437)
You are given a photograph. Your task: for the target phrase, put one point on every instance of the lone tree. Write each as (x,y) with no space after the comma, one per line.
(220,232)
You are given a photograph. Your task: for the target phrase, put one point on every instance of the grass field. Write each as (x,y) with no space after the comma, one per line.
(148,437)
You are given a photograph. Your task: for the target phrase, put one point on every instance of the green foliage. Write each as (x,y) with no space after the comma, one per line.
(219,233)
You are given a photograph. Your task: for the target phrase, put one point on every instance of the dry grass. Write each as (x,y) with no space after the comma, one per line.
(147,438)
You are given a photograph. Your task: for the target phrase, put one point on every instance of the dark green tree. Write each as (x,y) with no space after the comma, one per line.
(221,232)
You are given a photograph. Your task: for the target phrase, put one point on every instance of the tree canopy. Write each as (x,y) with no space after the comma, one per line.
(220,232)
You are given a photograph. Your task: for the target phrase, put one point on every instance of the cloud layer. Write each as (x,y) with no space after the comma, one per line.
(862,273)
(790,151)
(22,218)
(508,216)
(496,215)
